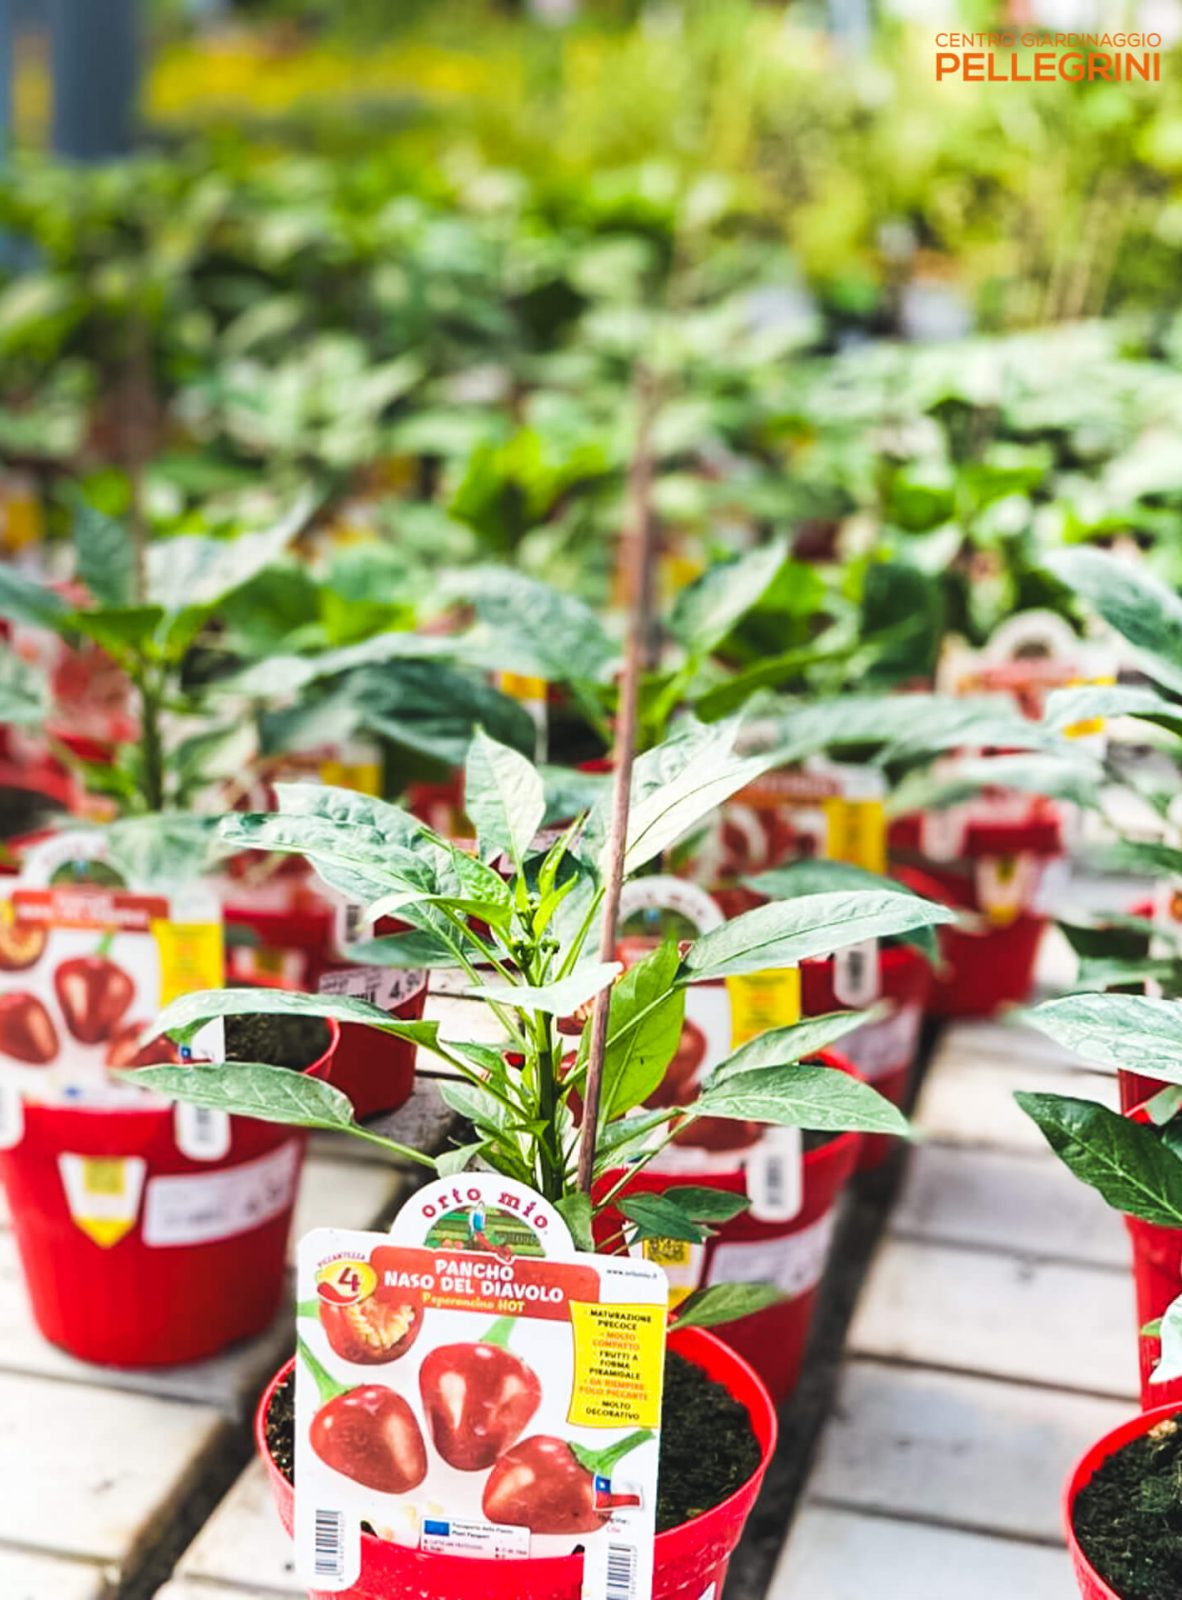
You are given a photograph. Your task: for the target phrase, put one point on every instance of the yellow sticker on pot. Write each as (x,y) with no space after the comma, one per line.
(763,1000)
(192,956)
(619,1365)
(103,1194)
(856,832)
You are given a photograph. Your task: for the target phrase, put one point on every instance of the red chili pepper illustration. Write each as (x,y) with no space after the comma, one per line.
(26,1029)
(368,1433)
(22,944)
(478,1399)
(94,995)
(125,1049)
(374,1330)
(551,1486)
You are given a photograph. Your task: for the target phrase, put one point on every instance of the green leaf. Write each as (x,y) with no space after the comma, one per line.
(190,1012)
(644,1029)
(575,1211)
(557,999)
(1074,776)
(1085,703)
(1117,1030)
(117,628)
(679,783)
(24,699)
(191,572)
(821,1098)
(333,804)
(105,555)
(527,626)
(1124,1161)
(23,600)
(625,1138)
(708,608)
(251,1089)
(452,1162)
(168,847)
(1144,611)
(789,931)
(416,948)
(726,1302)
(708,1205)
(270,1094)
(783,1047)
(504,797)
(656,1216)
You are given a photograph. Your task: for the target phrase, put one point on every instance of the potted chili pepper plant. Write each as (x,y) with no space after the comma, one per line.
(568,1122)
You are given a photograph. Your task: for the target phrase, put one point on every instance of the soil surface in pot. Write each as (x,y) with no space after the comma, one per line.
(707,1447)
(1128,1519)
(276,1040)
(25,811)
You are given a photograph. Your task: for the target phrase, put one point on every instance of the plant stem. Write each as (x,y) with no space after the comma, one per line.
(642,551)
(151,742)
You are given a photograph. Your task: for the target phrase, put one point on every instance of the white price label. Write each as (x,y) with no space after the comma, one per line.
(199,1208)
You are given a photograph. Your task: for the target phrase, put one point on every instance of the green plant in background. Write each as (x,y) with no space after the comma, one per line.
(520,918)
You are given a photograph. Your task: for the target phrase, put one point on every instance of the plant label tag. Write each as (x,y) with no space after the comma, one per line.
(761,1001)
(103,1194)
(471,1384)
(1005,886)
(12,1115)
(942,833)
(775,1176)
(202,1133)
(83,970)
(857,974)
(388,987)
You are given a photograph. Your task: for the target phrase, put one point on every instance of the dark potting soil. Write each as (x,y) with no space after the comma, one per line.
(277,1041)
(1128,1519)
(25,811)
(707,1447)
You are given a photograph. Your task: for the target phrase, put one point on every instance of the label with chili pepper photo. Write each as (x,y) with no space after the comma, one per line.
(84,967)
(471,1385)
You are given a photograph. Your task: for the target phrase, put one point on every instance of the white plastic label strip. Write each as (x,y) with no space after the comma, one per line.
(218,1205)
(793,1263)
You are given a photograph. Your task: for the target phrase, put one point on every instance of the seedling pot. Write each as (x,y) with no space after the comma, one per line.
(691,1560)
(374,1070)
(196,1258)
(792,1255)
(883,1052)
(988,967)
(1091,1584)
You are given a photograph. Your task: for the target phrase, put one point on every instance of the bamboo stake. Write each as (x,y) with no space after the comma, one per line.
(639,576)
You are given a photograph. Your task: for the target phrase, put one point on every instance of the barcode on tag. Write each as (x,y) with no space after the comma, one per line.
(621,1572)
(330,1544)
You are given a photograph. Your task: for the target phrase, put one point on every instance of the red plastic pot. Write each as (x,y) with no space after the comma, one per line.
(374,1070)
(791,1254)
(987,968)
(1157,1277)
(194,1272)
(42,778)
(1091,1584)
(691,1560)
(292,942)
(884,1053)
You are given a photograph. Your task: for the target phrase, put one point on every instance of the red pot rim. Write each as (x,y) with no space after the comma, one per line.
(40,778)
(687,1341)
(1086,1469)
(139,1116)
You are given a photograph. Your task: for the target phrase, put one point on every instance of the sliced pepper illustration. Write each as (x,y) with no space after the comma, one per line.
(373,1331)
(367,1433)
(478,1398)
